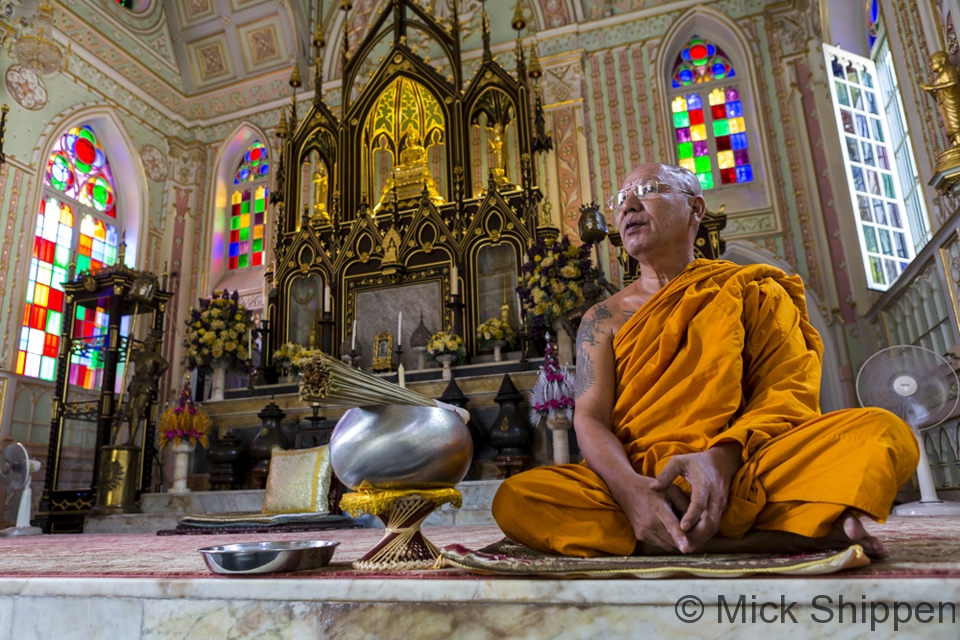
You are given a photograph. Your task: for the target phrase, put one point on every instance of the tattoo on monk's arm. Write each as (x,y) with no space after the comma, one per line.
(587,334)
(584,379)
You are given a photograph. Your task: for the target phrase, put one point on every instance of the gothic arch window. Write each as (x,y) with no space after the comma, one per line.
(77,222)
(709,124)
(247,211)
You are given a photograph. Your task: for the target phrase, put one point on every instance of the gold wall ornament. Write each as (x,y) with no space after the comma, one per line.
(945,89)
(382,352)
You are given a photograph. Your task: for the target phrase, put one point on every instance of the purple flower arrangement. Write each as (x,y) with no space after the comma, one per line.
(551,283)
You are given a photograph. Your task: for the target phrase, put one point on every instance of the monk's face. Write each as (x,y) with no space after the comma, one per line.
(664,223)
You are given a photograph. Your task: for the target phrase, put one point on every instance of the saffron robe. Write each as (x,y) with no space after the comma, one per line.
(722,353)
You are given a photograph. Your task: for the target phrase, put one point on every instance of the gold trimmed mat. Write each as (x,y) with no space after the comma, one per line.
(511,558)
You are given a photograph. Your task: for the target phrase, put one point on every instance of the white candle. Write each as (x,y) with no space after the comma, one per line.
(250,344)
(400,329)
(326,299)
(520,310)
(454,280)
(353,344)
(401,379)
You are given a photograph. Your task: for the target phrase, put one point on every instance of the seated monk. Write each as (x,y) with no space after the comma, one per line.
(698,417)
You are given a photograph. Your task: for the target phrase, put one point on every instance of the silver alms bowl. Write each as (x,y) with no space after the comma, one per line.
(268,557)
(400,447)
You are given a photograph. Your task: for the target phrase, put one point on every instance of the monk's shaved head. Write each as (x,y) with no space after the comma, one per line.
(683,178)
(669,173)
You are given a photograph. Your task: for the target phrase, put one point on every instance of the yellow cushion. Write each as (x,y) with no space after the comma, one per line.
(299,481)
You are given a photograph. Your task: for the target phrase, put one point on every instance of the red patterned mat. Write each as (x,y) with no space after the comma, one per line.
(919,547)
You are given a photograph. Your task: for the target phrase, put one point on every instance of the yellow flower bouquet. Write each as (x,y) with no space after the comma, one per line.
(444,342)
(551,283)
(292,357)
(495,330)
(219,333)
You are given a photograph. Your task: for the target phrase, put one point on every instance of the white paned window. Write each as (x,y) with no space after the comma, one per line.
(910,185)
(886,241)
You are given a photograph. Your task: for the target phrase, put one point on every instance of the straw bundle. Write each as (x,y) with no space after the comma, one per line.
(338,384)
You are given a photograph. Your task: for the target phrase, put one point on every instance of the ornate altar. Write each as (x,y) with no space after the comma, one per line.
(114,318)
(421,198)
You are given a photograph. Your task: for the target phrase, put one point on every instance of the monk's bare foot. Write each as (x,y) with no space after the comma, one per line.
(848,529)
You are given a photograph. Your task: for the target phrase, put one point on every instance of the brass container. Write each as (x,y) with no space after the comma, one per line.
(117,485)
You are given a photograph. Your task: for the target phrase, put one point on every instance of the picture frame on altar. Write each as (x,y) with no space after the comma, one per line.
(382,352)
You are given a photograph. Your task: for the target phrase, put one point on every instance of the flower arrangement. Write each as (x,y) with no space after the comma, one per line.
(292,356)
(493,330)
(219,333)
(551,283)
(184,421)
(553,390)
(445,342)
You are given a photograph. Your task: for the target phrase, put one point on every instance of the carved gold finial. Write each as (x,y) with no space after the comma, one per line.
(282,129)
(295,80)
(518,22)
(319,41)
(535,71)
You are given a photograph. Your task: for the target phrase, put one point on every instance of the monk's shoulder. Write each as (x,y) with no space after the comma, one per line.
(600,321)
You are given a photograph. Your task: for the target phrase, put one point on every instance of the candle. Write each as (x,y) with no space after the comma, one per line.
(454,280)
(353,344)
(520,310)
(401,378)
(326,299)
(400,329)
(250,344)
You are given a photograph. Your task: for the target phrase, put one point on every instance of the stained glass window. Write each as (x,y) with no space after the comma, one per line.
(873,21)
(76,222)
(885,238)
(254,165)
(710,126)
(248,208)
(701,61)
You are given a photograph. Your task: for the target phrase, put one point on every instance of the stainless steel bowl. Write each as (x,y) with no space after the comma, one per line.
(400,447)
(268,557)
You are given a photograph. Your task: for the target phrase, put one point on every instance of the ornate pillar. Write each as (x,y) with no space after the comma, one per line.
(182,247)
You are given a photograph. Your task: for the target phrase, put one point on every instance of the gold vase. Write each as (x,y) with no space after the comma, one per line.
(117,485)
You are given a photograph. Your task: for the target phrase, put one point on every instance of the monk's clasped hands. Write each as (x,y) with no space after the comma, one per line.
(709,474)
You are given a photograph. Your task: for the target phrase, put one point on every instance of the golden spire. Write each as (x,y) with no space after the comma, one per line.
(282,129)
(535,71)
(295,80)
(518,22)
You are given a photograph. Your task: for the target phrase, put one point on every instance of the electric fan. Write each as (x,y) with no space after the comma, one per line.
(922,389)
(15,468)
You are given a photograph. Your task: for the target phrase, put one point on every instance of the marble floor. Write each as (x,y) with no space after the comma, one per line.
(139,586)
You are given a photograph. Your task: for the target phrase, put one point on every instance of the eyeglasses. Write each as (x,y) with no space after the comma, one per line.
(642,190)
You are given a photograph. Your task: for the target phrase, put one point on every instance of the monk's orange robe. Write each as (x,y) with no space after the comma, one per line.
(722,353)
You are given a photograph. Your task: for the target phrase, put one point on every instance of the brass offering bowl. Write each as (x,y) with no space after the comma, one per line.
(400,447)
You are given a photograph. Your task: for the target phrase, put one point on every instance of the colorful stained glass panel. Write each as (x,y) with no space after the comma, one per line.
(692,148)
(246,224)
(254,165)
(78,173)
(701,61)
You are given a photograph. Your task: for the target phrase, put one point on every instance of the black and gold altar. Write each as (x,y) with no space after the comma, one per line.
(425,180)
